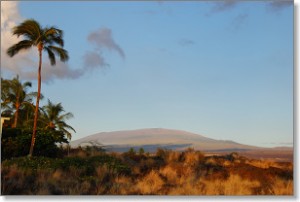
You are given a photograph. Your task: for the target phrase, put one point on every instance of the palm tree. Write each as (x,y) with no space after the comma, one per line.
(15,97)
(54,119)
(45,39)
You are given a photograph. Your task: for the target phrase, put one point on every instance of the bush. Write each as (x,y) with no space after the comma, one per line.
(16,143)
(178,173)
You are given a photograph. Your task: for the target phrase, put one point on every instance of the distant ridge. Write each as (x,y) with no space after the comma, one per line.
(152,138)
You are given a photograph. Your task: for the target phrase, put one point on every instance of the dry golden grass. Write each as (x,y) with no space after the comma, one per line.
(192,158)
(173,157)
(282,187)
(187,186)
(122,185)
(58,173)
(151,184)
(171,173)
(268,163)
(234,185)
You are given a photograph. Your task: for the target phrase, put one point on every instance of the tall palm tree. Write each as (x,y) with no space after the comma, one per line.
(49,39)
(15,97)
(54,119)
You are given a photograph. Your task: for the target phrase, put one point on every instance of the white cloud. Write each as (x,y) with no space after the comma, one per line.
(10,18)
(25,62)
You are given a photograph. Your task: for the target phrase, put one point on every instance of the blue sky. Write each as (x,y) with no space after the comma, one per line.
(220,69)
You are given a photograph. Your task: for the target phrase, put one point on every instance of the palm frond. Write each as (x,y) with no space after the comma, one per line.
(28,103)
(53,36)
(66,116)
(63,127)
(63,54)
(27,84)
(55,40)
(34,95)
(50,31)
(51,56)
(67,133)
(31,29)
(70,127)
(53,115)
(14,49)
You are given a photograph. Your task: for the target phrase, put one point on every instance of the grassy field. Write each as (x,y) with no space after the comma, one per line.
(136,173)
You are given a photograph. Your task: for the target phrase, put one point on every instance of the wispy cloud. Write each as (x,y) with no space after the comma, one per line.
(278,5)
(102,38)
(221,6)
(49,73)
(186,42)
(282,143)
(239,20)
(93,60)
(226,5)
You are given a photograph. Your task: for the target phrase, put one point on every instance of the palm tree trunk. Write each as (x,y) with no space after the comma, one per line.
(16,116)
(36,113)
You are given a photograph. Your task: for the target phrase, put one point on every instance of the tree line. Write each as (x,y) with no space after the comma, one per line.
(17,103)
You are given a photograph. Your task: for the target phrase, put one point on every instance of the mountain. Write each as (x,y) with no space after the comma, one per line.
(153,138)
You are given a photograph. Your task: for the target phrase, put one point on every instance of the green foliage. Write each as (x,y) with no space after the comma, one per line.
(94,149)
(16,101)
(16,143)
(54,118)
(50,39)
(131,151)
(88,165)
(141,151)
(11,132)
(162,153)
(130,154)
(17,104)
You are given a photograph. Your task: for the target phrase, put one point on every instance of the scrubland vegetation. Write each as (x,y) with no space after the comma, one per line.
(90,172)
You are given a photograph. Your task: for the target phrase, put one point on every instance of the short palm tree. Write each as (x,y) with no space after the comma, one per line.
(15,97)
(49,39)
(55,119)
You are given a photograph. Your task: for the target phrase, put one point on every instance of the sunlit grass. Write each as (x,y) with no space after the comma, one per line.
(164,173)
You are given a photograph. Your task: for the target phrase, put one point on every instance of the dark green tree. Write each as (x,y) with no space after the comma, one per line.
(141,151)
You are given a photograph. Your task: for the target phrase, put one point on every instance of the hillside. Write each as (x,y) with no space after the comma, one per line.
(151,139)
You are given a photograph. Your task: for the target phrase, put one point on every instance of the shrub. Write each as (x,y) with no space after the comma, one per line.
(123,185)
(141,151)
(234,185)
(151,184)
(189,173)
(282,187)
(162,153)
(192,158)
(171,174)
(16,143)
